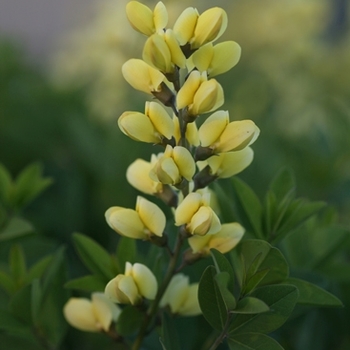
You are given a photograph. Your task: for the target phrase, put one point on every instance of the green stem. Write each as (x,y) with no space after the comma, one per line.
(223,334)
(152,310)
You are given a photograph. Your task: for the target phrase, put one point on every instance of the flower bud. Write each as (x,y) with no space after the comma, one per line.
(210,25)
(142,76)
(225,165)
(222,136)
(91,316)
(223,241)
(173,165)
(181,296)
(185,25)
(191,132)
(195,212)
(145,221)
(136,283)
(144,20)
(216,59)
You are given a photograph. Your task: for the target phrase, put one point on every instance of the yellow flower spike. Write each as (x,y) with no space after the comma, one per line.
(144,20)
(91,316)
(237,135)
(189,88)
(144,278)
(185,25)
(184,161)
(141,76)
(207,98)
(225,165)
(123,290)
(156,53)
(151,215)
(213,127)
(160,119)
(187,208)
(181,296)
(191,132)
(177,56)
(138,127)
(224,240)
(137,176)
(126,222)
(216,59)
(210,26)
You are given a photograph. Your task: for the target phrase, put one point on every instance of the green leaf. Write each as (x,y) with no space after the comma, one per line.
(252,341)
(95,258)
(222,280)
(169,338)
(281,300)
(9,323)
(249,204)
(250,305)
(129,321)
(20,304)
(38,269)
(16,228)
(36,300)
(5,185)
(18,265)
(311,294)
(211,301)
(223,265)
(29,184)
(7,283)
(87,283)
(126,251)
(258,255)
(283,184)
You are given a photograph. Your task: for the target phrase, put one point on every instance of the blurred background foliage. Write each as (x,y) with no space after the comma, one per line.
(293,81)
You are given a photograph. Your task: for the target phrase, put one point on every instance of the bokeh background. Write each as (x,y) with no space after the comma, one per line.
(61,92)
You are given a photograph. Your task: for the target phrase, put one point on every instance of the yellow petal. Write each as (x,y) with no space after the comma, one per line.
(142,76)
(187,208)
(237,135)
(191,307)
(201,221)
(128,286)
(177,56)
(212,128)
(151,215)
(160,16)
(184,161)
(191,132)
(225,56)
(79,313)
(140,17)
(185,25)
(138,127)
(199,243)
(145,281)
(203,56)
(186,94)
(168,172)
(160,118)
(126,222)
(210,26)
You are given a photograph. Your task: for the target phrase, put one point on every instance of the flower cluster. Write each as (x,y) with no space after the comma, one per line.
(177,69)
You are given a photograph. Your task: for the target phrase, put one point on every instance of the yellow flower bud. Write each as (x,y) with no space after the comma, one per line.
(196,213)
(191,132)
(145,221)
(221,136)
(216,59)
(142,76)
(181,296)
(137,175)
(211,24)
(225,165)
(173,165)
(189,88)
(91,316)
(224,240)
(136,283)
(144,20)
(185,25)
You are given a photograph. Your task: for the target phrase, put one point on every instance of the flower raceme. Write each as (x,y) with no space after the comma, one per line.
(195,212)
(146,221)
(136,283)
(152,126)
(181,296)
(93,315)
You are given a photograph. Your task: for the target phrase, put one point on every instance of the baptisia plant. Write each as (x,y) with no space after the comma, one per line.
(177,69)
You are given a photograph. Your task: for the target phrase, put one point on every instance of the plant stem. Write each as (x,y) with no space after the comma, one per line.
(223,334)
(152,310)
